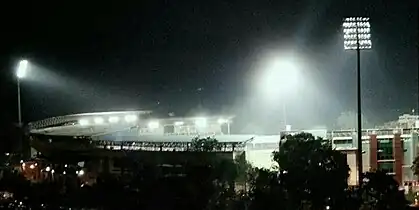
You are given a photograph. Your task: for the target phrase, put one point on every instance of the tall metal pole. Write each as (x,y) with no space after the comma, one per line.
(359,109)
(284,112)
(19,109)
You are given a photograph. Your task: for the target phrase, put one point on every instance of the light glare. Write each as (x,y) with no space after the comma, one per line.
(179,123)
(153,125)
(357,33)
(131,118)
(22,69)
(222,121)
(201,122)
(113,119)
(84,122)
(98,120)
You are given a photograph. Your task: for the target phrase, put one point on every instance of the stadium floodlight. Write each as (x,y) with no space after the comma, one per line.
(179,123)
(98,120)
(21,72)
(201,122)
(357,33)
(113,119)
(22,69)
(131,118)
(84,122)
(153,125)
(80,173)
(357,36)
(222,121)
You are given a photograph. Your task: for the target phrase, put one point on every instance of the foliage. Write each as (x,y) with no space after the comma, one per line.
(381,191)
(312,171)
(205,144)
(415,166)
(266,192)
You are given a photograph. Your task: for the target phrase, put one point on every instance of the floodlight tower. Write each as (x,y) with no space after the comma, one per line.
(357,36)
(21,73)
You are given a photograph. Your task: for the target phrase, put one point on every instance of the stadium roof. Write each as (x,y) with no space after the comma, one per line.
(101,124)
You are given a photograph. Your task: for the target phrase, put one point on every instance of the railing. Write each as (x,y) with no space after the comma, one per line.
(164,146)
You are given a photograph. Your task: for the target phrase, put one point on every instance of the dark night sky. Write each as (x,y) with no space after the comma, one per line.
(171,56)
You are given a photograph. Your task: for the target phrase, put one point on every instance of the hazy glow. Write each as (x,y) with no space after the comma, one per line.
(279,78)
(201,122)
(131,118)
(80,173)
(48,169)
(83,122)
(179,123)
(22,69)
(153,125)
(113,119)
(99,120)
(222,121)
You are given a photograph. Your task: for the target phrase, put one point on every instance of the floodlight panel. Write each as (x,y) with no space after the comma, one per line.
(357,33)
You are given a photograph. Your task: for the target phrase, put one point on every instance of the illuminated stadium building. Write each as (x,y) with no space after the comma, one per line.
(106,140)
(103,139)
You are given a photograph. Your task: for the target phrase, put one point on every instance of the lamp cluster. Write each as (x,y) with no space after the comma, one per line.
(112,119)
(152,124)
(357,33)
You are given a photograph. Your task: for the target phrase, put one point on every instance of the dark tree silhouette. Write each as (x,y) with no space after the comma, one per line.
(312,172)
(381,191)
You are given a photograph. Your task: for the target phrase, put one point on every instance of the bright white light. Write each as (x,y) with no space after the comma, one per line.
(32,166)
(22,69)
(357,33)
(99,120)
(48,169)
(222,121)
(80,173)
(131,118)
(7,154)
(179,123)
(113,119)
(279,78)
(84,122)
(65,165)
(201,122)
(52,171)
(153,125)
(21,161)
(64,172)
(23,165)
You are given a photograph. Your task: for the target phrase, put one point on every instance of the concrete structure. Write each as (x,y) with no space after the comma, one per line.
(109,133)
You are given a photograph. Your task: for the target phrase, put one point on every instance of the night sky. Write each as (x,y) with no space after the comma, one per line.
(188,57)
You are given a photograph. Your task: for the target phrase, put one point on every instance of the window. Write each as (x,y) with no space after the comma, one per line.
(168,129)
(386,167)
(385,150)
(342,141)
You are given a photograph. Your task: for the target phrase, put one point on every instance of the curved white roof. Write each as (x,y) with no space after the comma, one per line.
(124,124)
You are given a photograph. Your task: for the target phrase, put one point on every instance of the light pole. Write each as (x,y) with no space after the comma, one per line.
(357,36)
(20,73)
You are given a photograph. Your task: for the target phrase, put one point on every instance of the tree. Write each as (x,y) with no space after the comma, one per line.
(312,172)
(415,166)
(205,144)
(348,120)
(381,191)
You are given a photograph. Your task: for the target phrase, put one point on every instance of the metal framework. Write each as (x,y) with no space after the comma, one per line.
(357,36)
